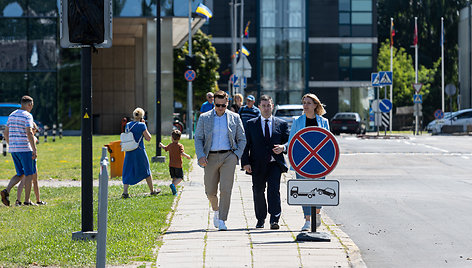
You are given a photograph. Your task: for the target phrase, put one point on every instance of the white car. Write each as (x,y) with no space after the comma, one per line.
(459,118)
(288,112)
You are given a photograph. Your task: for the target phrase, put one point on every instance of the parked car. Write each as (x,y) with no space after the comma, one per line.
(288,112)
(347,123)
(5,110)
(459,118)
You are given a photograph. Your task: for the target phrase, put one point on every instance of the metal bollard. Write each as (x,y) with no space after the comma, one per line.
(45,133)
(60,130)
(102,211)
(4,146)
(53,132)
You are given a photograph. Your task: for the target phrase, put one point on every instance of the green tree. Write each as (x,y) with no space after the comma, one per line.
(206,64)
(404,75)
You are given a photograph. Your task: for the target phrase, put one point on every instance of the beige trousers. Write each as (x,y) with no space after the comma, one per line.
(220,170)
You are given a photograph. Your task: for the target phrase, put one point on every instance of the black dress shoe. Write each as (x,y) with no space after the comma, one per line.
(260,224)
(274,226)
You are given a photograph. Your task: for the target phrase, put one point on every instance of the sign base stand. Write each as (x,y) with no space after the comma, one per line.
(314,236)
(90,235)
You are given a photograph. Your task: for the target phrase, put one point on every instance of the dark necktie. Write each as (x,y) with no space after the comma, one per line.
(266,130)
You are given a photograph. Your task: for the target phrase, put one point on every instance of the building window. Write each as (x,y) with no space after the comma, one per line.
(282,47)
(355,17)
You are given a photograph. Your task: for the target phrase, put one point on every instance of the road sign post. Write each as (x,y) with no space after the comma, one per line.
(313,152)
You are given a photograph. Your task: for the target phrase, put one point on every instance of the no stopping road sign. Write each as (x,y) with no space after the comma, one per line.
(313,152)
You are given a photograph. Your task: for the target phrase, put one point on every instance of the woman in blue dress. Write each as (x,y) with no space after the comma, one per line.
(136,165)
(313,111)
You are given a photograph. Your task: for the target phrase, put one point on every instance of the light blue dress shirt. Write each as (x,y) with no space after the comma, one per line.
(219,138)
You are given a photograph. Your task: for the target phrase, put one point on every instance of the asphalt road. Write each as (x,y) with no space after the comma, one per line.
(407,202)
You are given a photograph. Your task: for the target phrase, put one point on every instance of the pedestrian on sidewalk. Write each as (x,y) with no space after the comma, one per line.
(136,165)
(208,105)
(219,144)
(313,111)
(20,139)
(35,180)
(176,151)
(266,137)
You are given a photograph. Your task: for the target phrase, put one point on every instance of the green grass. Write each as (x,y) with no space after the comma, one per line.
(43,235)
(61,160)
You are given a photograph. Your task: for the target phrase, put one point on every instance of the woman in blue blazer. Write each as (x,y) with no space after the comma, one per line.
(313,111)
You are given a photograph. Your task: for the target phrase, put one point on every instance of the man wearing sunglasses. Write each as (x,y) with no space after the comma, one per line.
(219,144)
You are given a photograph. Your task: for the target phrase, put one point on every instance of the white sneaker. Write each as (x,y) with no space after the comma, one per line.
(318,220)
(216,219)
(222,226)
(306,226)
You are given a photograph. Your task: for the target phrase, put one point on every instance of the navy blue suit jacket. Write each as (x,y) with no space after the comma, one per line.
(257,148)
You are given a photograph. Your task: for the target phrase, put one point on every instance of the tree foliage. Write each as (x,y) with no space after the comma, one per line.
(429,13)
(404,74)
(206,67)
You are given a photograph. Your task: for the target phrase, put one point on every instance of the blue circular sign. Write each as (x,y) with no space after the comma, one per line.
(385,105)
(438,114)
(190,75)
(313,152)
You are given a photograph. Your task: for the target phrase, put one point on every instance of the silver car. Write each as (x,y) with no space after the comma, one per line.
(460,118)
(288,112)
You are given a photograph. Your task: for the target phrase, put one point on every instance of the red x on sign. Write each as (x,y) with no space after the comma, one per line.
(313,152)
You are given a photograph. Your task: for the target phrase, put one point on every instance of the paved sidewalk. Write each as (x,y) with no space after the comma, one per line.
(193,241)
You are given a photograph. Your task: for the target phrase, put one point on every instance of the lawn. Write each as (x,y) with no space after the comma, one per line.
(42,236)
(61,160)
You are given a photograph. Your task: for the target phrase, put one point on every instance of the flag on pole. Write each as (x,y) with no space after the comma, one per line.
(246,30)
(204,11)
(245,51)
(392,33)
(415,40)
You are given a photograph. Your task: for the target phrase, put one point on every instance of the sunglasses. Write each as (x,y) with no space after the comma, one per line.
(220,105)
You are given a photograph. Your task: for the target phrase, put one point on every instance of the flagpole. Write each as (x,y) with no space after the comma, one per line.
(391,70)
(416,71)
(442,64)
(241,55)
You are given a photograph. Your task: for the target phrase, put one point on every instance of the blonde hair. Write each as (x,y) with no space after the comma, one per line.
(138,114)
(238,96)
(319,110)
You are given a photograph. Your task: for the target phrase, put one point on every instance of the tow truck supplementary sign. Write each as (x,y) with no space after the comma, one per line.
(313,152)
(313,192)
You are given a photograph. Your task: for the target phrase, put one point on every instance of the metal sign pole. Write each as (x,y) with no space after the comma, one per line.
(189,88)
(377,113)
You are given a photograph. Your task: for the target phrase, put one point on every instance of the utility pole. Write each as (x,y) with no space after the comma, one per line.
(189,88)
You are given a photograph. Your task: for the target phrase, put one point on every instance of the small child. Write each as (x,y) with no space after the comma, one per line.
(35,180)
(176,150)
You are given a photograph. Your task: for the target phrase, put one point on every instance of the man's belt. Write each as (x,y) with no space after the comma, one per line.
(220,152)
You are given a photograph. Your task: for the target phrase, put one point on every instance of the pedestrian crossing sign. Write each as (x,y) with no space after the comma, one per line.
(417,98)
(386,78)
(375,80)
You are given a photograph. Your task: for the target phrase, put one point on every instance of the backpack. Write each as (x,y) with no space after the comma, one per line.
(127,140)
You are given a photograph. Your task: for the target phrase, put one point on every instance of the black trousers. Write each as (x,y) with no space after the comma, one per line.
(270,177)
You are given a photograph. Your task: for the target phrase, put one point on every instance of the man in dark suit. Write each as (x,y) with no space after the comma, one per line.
(266,138)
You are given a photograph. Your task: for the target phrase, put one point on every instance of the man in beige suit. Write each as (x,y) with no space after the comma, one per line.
(219,144)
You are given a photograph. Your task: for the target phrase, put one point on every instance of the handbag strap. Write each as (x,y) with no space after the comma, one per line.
(129,129)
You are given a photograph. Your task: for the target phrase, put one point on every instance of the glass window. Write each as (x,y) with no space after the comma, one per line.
(344,18)
(166,8)
(12,86)
(268,43)
(344,61)
(12,8)
(295,42)
(344,49)
(295,70)
(42,86)
(361,18)
(344,5)
(344,30)
(13,44)
(362,49)
(43,8)
(361,61)
(361,5)
(145,8)
(295,13)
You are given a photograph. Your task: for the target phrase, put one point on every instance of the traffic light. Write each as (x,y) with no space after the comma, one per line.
(190,62)
(86,21)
